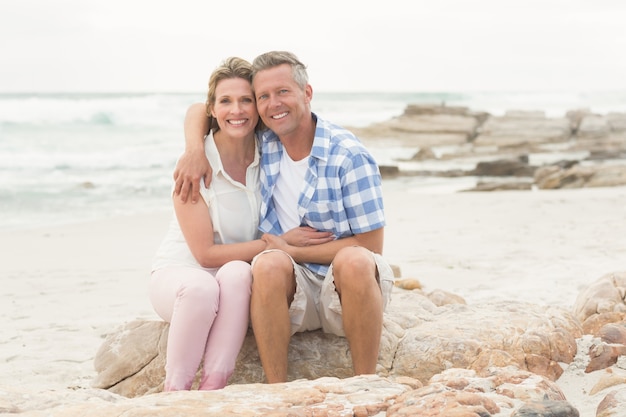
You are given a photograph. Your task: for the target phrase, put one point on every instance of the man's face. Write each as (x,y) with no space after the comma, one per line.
(282,104)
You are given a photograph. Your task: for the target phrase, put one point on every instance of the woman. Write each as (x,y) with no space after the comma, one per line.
(201,277)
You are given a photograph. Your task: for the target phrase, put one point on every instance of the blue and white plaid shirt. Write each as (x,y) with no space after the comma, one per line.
(342,192)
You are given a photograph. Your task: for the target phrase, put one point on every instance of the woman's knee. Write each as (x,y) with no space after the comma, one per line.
(202,286)
(237,274)
(198,298)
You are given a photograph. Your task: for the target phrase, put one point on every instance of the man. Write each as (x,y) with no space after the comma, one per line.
(316,177)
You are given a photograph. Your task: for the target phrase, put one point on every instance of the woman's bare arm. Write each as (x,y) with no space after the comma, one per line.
(197,227)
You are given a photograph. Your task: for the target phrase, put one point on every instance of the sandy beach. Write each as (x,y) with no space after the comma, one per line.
(65,287)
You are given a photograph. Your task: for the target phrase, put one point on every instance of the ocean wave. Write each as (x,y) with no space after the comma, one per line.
(84,109)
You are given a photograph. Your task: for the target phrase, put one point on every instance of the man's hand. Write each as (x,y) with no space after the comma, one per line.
(192,167)
(306,236)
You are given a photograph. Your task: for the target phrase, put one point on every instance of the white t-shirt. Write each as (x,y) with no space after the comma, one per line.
(234,210)
(287,190)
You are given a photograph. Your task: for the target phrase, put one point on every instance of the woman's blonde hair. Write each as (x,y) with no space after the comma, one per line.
(232,67)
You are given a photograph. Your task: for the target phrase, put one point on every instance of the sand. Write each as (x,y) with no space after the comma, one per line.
(65,287)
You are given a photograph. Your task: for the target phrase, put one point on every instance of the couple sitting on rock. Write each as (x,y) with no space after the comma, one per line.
(287,234)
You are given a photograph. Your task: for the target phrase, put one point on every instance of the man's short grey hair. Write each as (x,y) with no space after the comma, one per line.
(275,58)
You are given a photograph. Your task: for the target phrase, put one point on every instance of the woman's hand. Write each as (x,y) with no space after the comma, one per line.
(274,242)
(306,236)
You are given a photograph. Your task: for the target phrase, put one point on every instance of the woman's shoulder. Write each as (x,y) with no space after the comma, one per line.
(212,153)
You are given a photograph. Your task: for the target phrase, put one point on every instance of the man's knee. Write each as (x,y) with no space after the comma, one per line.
(272,273)
(354,260)
(271,263)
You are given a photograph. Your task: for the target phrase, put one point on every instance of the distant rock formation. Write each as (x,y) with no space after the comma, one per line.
(502,145)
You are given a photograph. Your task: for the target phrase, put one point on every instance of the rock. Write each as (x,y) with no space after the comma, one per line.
(435,109)
(617,122)
(523,128)
(578,176)
(363,395)
(408,284)
(606,381)
(457,392)
(427,125)
(513,167)
(614,404)
(593,324)
(441,298)
(575,116)
(424,154)
(606,295)
(602,355)
(600,133)
(525,114)
(608,176)
(606,154)
(532,337)
(87,185)
(613,333)
(593,126)
(502,186)
(420,339)
(389,171)
(601,308)
(144,360)
(554,176)
(546,408)
(596,145)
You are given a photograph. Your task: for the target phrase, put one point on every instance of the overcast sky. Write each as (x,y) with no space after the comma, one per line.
(348,45)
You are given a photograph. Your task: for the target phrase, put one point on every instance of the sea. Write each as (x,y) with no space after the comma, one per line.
(73,157)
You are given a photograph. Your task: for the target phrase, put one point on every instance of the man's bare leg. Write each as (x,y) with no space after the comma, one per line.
(362,306)
(273,287)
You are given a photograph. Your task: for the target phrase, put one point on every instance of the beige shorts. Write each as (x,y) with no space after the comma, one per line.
(316,304)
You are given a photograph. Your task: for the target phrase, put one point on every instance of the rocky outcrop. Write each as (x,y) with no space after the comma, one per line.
(580,176)
(439,357)
(601,309)
(501,146)
(455,392)
(503,391)
(427,125)
(602,131)
(510,167)
(523,129)
(614,404)
(602,302)
(420,340)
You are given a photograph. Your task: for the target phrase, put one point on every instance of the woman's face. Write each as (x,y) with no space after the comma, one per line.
(235,107)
